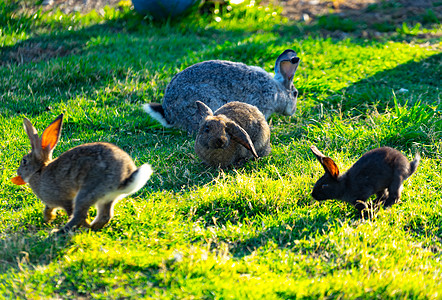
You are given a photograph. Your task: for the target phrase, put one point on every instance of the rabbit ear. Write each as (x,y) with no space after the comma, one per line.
(33,136)
(51,135)
(330,167)
(327,163)
(317,153)
(285,67)
(203,109)
(239,135)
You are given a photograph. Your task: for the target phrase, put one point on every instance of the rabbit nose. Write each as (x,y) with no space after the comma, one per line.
(221,142)
(294,60)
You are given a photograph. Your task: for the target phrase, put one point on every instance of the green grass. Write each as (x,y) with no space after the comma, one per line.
(193,232)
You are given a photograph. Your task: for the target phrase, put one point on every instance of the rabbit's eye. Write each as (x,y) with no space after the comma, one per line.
(206,128)
(24,161)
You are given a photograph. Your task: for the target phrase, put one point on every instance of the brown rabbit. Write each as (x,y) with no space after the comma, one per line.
(90,174)
(236,132)
(380,171)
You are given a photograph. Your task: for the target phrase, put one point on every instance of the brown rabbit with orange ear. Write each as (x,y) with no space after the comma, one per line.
(379,171)
(90,174)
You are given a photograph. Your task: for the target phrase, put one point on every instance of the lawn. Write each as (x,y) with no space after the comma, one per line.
(252,232)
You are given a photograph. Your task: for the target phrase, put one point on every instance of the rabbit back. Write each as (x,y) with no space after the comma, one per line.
(378,167)
(216,83)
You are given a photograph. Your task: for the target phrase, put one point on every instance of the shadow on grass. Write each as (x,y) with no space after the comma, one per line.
(84,280)
(288,235)
(409,93)
(414,80)
(92,66)
(407,97)
(27,250)
(25,254)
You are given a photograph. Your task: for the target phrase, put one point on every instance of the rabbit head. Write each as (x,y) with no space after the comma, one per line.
(41,149)
(285,67)
(329,186)
(217,132)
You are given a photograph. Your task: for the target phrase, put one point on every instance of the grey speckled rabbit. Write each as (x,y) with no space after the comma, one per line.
(380,171)
(90,174)
(217,82)
(233,134)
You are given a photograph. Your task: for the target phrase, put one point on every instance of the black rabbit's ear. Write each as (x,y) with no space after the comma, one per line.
(317,153)
(330,167)
(203,109)
(239,135)
(286,66)
(327,163)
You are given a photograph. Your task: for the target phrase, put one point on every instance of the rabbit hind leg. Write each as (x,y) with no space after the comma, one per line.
(394,192)
(105,210)
(83,201)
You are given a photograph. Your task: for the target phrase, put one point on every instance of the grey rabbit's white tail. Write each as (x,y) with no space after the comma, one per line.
(156,111)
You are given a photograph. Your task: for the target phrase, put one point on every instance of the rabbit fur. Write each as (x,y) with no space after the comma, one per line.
(217,82)
(90,174)
(236,132)
(380,171)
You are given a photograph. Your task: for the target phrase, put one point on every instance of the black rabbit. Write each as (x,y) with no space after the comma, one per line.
(379,171)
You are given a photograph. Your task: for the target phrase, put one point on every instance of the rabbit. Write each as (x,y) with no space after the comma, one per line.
(217,82)
(380,171)
(236,132)
(90,174)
